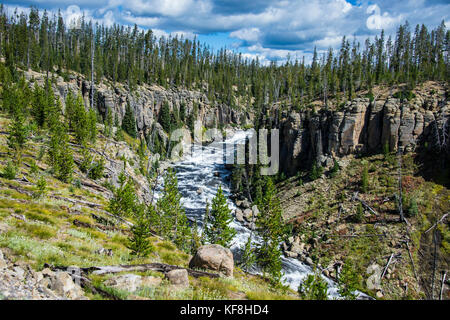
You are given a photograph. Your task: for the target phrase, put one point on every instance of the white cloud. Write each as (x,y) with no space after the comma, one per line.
(248,34)
(380,21)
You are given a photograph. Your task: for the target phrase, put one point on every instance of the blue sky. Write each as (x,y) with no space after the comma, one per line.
(268,29)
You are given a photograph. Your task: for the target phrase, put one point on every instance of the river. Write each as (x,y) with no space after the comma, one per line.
(199,175)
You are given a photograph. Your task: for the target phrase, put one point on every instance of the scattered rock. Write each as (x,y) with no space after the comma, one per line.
(103,251)
(214,257)
(19,216)
(62,284)
(47,272)
(3,263)
(245,204)
(150,281)
(291,240)
(309,261)
(379,294)
(291,254)
(128,282)
(19,272)
(248,214)
(239,215)
(297,247)
(255,211)
(373,281)
(178,277)
(132,282)
(76,209)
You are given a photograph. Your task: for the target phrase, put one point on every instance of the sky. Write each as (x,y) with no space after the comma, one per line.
(268,29)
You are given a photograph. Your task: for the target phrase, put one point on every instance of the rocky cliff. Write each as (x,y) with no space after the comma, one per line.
(146,100)
(362,126)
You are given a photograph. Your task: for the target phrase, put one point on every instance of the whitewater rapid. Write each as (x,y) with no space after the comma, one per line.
(199,174)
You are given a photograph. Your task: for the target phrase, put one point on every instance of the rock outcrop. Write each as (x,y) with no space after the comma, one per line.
(362,127)
(214,257)
(19,281)
(146,101)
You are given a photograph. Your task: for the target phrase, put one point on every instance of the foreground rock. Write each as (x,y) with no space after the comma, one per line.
(132,282)
(20,282)
(214,257)
(63,285)
(178,277)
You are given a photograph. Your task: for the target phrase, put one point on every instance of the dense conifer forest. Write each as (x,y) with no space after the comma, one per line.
(135,56)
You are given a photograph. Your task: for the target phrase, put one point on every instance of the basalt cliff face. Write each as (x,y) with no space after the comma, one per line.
(364,127)
(146,101)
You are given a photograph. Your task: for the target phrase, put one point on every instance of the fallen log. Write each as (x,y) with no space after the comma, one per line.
(94,186)
(437,222)
(365,205)
(358,235)
(387,266)
(444,275)
(157,266)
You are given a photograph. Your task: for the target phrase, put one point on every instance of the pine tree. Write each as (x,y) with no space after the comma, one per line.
(92,125)
(314,287)
(109,124)
(271,229)
(60,154)
(18,134)
(347,282)
(165,117)
(79,119)
(248,258)
(129,122)
(365,179)
(218,230)
(41,188)
(173,221)
(124,199)
(139,242)
(316,172)
(335,169)
(38,105)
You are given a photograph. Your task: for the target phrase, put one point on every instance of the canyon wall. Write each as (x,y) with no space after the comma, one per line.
(363,127)
(146,101)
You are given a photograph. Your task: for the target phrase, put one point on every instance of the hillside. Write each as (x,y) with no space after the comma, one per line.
(333,228)
(69,225)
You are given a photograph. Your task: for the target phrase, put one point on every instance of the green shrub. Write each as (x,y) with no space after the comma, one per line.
(10,171)
(41,188)
(413,209)
(316,172)
(313,288)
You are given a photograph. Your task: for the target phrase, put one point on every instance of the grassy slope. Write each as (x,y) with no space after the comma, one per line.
(314,208)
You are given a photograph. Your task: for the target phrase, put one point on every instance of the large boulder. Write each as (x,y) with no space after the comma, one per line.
(214,257)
